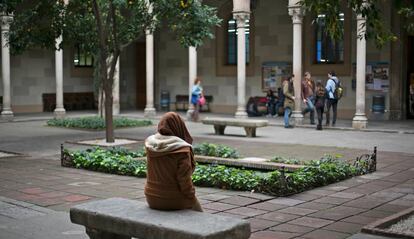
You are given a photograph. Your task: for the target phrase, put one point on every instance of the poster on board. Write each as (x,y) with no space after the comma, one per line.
(376,76)
(273,73)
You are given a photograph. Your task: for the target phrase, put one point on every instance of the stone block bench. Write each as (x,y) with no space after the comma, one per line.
(249,125)
(118,218)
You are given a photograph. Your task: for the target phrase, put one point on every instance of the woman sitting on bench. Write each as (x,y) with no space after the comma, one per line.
(170,164)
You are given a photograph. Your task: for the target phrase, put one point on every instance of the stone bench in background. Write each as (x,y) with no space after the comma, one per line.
(249,125)
(118,218)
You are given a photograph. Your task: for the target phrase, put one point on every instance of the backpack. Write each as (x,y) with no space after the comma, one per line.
(339,91)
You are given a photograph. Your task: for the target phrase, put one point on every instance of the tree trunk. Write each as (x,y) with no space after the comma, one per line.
(108,113)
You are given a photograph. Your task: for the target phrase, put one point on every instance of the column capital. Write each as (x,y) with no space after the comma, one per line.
(297,13)
(241,18)
(5,21)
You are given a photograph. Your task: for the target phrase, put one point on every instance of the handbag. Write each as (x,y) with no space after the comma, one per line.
(202,100)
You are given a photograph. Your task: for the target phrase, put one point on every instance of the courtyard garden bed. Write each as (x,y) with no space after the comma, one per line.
(96,123)
(280,182)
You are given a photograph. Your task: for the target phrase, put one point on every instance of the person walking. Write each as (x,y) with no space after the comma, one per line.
(308,96)
(196,95)
(289,103)
(170,164)
(320,94)
(332,101)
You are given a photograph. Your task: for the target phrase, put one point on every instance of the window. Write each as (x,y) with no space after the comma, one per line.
(232,41)
(82,58)
(328,50)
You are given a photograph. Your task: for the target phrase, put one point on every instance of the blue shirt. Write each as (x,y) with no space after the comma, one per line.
(331,86)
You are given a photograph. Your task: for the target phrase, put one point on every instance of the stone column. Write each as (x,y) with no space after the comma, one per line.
(241,18)
(60,111)
(360,120)
(192,74)
(115,90)
(297,16)
(149,110)
(6,113)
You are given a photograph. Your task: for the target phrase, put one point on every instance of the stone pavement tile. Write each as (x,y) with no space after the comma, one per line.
(17,212)
(273,235)
(26,197)
(346,195)
(409,196)
(53,194)
(305,196)
(321,192)
(403,189)
(387,194)
(278,217)
(315,205)
(286,227)
(209,211)
(337,213)
(332,200)
(344,227)
(219,206)
(325,234)
(258,196)
(358,219)
(231,215)
(376,213)
(357,190)
(297,211)
(286,201)
(245,211)
(76,198)
(311,222)
(239,201)
(391,208)
(258,224)
(400,177)
(267,206)
(401,202)
(45,202)
(376,175)
(208,190)
(213,197)
(366,202)
(337,188)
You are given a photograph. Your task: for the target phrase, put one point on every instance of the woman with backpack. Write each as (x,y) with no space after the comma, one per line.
(332,101)
(320,95)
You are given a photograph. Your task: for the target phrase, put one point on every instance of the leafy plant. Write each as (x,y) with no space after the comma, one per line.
(281,159)
(96,122)
(216,150)
(315,174)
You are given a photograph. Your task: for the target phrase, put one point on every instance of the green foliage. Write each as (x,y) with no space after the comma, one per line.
(376,27)
(114,160)
(226,177)
(96,122)
(318,173)
(189,20)
(215,150)
(281,159)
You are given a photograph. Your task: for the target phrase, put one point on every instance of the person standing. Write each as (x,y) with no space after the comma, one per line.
(196,94)
(320,94)
(332,101)
(308,96)
(170,164)
(289,103)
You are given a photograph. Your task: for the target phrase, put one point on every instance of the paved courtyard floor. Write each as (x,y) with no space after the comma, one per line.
(36,192)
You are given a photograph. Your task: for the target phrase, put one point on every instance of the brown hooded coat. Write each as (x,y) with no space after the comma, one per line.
(170,164)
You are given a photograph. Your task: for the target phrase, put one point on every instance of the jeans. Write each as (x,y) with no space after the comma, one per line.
(288,111)
(319,110)
(310,101)
(195,116)
(334,104)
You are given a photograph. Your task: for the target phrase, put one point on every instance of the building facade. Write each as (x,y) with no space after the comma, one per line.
(279,39)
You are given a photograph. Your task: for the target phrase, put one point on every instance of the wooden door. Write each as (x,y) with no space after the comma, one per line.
(141,96)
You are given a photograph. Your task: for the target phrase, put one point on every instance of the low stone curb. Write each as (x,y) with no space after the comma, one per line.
(380,227)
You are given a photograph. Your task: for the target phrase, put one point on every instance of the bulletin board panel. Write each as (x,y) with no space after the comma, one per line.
(273,73)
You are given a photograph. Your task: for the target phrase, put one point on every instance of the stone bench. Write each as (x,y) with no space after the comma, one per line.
(118,218)
(248,124)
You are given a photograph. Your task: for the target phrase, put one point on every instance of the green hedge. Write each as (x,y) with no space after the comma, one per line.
(216,150)
(318,173)
(96,122)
